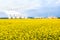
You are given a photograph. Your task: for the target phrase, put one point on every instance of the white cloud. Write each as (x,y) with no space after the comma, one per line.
(23,5)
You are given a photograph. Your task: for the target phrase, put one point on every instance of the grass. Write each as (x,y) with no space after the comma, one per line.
(29,29)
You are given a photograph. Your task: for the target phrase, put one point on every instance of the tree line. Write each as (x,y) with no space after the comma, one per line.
(31,18)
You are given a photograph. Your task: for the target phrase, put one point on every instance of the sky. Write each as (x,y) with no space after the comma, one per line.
(33,8)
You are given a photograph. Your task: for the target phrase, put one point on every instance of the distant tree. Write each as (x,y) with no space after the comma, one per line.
(4,18)
(58,17)
(31,17)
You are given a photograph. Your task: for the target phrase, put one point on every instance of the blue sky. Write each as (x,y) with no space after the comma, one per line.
(31,7)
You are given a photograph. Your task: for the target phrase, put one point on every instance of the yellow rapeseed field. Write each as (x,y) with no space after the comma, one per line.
(29,29)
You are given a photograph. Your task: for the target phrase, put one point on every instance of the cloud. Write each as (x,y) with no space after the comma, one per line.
(40,6)
(27,4)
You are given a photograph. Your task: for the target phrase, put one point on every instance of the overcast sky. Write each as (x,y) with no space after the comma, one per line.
(31,7)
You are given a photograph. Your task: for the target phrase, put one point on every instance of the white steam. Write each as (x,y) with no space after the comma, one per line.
(15,14)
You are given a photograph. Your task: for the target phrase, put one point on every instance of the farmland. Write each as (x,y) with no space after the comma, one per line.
(29,29)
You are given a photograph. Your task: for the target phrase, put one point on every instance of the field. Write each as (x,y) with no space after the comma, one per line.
(29,29)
